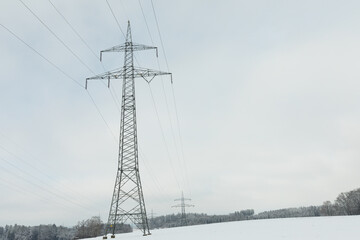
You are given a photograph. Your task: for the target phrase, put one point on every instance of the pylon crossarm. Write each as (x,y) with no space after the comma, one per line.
(148,75)
(128,46)
(120,74)
(114,74)
(180,199)
(144,72)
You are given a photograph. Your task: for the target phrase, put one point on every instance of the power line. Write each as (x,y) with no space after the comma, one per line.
(81,86)
(56,36)
(180,136)
(39,186)
(128,200)
(117,22)
(163,88)
(98,58)
(101,115)
(119,27)
(19,146)
(11,185)
(22,160)
(163,137)
(68,76)
(153,176)
(173,94)
(74,30)
(42,56)
(64,73)
(122,32)
(146,23)
(35,168)
(161,41)
(171,127)
(67,47)
(85,43)
(59,69)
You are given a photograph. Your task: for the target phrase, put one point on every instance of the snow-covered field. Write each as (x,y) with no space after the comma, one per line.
(326,228)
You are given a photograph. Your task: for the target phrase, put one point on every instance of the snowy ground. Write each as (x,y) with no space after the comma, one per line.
(326,228)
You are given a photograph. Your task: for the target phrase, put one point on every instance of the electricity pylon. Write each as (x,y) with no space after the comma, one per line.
(183,205)
(127,200)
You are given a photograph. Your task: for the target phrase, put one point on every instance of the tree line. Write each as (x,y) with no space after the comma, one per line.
(19,232)
(347,203)
(88,228)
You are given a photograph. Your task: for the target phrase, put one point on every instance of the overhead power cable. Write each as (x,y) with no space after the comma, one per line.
(113,94)
(172,87)
(119,27)
(164,92)
(41,187)
(74,30)
(42,56)
(21,189)
(163,138)
(86,44)
(63,72)
(161,41)
(173,93)
(122,32)
(117,22)
(67,47)
(153,176)
(56,36)
(59,189)
(146,23)
(97,108)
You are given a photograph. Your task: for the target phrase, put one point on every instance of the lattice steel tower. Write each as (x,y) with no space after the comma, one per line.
(128,200)
(183,205)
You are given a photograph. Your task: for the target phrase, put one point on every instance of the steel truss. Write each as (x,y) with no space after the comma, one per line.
(128,199)
(183,205)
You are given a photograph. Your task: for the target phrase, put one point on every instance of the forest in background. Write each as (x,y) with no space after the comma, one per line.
(347,203)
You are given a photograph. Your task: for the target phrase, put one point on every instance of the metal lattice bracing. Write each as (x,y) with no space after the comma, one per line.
(183,205)
(128,200)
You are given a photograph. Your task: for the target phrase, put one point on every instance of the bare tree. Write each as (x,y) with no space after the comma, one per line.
(327,209)
(349,203)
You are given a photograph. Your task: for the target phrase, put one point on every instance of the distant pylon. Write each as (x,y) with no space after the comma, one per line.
(152,214)
(128,200)
(183,206)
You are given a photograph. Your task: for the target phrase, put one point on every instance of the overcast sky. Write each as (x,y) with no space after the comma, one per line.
(267,99)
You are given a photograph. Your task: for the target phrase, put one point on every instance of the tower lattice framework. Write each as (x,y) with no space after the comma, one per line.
(128,199)
(183,205)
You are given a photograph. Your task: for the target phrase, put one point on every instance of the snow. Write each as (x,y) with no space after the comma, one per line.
(326,228)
